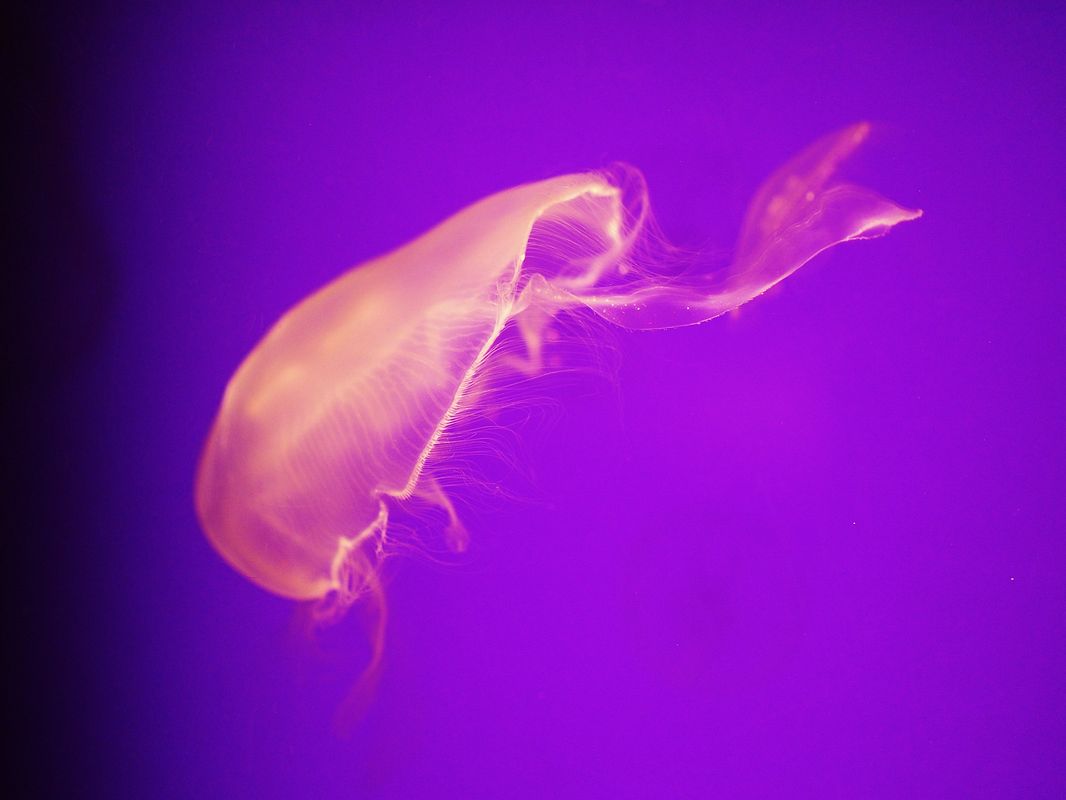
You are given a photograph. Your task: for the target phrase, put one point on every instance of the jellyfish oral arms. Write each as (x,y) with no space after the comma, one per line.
(340,409)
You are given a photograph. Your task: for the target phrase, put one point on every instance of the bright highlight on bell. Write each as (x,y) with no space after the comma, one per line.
(344,403)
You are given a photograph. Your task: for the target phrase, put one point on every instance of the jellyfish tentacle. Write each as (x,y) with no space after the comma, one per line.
(353,569)
(780,200)
(796,214)
(374,612)
(455,533)
(532,323)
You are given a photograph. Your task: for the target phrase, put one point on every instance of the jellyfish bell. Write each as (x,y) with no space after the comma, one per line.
(345,404)
(343,400)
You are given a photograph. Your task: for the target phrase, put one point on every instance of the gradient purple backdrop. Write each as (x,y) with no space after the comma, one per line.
(812,550)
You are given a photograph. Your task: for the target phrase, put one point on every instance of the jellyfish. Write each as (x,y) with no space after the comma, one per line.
(343,408)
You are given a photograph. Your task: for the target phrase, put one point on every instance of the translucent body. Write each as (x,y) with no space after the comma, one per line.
(343,401)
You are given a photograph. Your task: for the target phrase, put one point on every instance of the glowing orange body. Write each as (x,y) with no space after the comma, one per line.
(344,399)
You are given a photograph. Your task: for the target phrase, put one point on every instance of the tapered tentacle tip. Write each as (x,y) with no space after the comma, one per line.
(357,703)
(457,538)
(884,217)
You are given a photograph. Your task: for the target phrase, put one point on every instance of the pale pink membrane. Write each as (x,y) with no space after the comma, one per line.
(343,401)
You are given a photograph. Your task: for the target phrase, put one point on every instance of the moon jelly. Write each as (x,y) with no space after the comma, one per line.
(341,408)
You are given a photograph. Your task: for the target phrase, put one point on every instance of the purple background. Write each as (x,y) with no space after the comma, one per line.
(812,550)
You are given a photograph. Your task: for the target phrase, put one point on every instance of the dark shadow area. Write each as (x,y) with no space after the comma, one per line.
(60,287)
